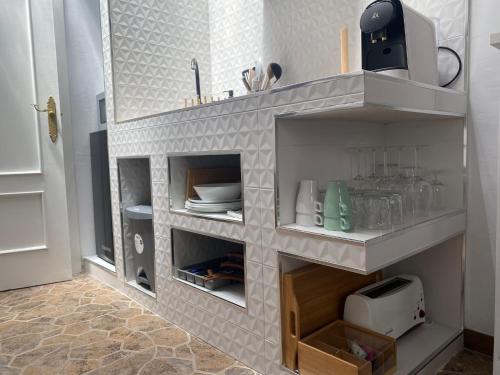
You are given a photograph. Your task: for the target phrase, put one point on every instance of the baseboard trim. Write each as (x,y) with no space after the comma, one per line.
(478,342)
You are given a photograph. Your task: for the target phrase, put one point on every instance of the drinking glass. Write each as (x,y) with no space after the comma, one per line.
(358,182)
(388,180)
(438,194)
(372,179)
(377,211)
(417,194)
(396,201)
(358,209)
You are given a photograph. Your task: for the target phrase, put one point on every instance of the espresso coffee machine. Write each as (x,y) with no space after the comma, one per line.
(399,41)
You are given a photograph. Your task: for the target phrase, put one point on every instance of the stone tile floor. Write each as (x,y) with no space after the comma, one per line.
(468,363)
(85,327)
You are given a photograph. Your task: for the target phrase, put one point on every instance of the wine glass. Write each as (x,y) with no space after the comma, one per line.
(372,179)
(388,180)
(417,192)
(358,182)
(438,194)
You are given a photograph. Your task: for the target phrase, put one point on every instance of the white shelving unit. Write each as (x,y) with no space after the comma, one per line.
(375,250)
(439,269)
(301,126)
(311,143)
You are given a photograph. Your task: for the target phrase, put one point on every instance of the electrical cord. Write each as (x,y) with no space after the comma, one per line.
(460,65)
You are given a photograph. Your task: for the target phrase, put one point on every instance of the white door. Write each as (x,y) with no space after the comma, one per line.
(34,230)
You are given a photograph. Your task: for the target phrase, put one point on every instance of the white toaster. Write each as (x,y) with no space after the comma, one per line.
(390,307)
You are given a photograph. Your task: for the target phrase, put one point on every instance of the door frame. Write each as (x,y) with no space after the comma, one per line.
(67,135)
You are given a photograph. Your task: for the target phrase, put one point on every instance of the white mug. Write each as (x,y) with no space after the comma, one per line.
(319,220)
(306,220)
(319,207)
(307,196)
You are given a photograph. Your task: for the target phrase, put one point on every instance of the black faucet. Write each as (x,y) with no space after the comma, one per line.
(194,66)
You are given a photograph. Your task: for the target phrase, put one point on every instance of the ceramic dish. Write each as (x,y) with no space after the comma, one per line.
(201,201)
(218,192)
(212,208)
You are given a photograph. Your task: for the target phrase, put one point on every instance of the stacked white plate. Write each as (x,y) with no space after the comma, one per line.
(212,207)
(216,198)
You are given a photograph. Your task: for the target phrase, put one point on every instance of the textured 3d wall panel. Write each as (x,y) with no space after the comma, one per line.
(235,41)
(303,36)
(153,43)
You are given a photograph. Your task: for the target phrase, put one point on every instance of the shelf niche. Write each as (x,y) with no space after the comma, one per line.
(190,250)
(440,270)
(134,176)
(316,147)
(194,169)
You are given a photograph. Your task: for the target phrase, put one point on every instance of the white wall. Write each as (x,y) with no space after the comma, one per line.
(483,124)
(85,70)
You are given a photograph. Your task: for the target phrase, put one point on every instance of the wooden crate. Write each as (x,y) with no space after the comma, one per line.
(312,297)
(328,351)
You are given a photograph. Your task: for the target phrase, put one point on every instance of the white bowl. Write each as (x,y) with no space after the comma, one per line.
(218,192)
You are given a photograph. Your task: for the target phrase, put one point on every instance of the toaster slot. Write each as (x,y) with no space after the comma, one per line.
(386,288)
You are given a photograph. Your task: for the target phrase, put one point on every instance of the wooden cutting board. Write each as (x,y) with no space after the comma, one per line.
(312,297)
(199,176)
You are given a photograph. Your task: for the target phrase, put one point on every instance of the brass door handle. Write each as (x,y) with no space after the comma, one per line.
(52,117)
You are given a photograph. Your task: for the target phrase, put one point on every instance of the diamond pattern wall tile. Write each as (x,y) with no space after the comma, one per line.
(153,45)
(272,305)
(160,209)
(304,37)
(273,359)
(235,41)
(269,257)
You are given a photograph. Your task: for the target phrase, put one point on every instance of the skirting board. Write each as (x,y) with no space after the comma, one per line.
(479,342)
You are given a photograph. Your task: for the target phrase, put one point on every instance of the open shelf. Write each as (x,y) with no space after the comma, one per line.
(186,171)
(367,237)
(368,251)
(134,177)
(439,269)
(195,257)
(374,113)
(234,293)
(421,344)
(323,146)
